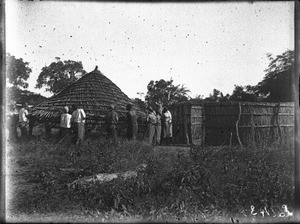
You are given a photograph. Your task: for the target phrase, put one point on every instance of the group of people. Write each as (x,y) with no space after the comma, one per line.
(159,129)
(68,123)
(73,123)
(22,119)
(159,124)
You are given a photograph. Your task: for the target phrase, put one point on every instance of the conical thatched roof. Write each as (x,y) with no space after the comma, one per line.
(94,92)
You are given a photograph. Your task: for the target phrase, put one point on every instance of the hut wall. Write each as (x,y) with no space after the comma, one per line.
(179,116)
(187,124)
(249,123)
(196,125)
(233,123)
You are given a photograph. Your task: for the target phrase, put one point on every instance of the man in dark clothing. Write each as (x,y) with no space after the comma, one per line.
(132,124)
(158,127)
(111,121)
(31,123)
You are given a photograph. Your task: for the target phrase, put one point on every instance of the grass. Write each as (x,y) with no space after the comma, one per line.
(211,185)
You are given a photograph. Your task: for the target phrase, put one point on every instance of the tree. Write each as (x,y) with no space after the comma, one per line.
(142,105)
(165,92)
(217,96)
(17,71)
(244,93)
(17,95)
(59,75)
(277,83)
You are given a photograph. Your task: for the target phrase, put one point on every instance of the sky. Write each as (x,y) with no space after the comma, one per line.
(203,46)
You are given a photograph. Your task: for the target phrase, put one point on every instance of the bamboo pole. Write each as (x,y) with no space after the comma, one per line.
(277,120)
(252,126)
(237,126)
(203,125)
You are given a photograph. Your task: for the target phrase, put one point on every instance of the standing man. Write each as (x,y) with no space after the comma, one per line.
(13,120)
(158,127)
(167,126)
(31,122)
(65,123)
(111,121)
(23,121)
(132,124)
(78,121)
(151,119)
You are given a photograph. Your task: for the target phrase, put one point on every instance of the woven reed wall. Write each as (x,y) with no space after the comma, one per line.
(234,123)
(187,124)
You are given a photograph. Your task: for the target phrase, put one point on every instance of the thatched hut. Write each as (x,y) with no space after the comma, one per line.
(94,92)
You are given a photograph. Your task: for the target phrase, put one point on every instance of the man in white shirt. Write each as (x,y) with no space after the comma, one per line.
(65,123)
(78,121)
(23,121)
(167,126)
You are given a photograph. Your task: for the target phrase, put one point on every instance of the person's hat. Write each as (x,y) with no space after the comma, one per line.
(66,109)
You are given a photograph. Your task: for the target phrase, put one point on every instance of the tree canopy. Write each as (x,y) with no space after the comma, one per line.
(17,71)
(165,93)
(59,75)
(17,95)
(142,105)
(217,96)
(244,93)
(277,83)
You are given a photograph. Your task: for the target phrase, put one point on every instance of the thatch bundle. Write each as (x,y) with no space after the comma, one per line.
(94,92)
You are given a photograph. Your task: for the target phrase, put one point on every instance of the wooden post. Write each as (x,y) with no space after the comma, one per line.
(237,126)
(203,125)
(252,126)
(185,124)
(230,141)
(277,120)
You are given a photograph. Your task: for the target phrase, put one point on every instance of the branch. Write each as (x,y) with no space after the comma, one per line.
(106,177)
(237,126)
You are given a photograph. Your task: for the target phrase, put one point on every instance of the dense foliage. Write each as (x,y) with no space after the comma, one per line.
(59,75)
(165,92)
(277,85)
(245,93)
(17,71)
(212,184)
(19,96)
(217,96)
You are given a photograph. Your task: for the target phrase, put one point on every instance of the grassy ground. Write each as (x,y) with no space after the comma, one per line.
(211,184)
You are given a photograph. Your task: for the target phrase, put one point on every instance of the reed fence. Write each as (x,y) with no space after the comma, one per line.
(243,123)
